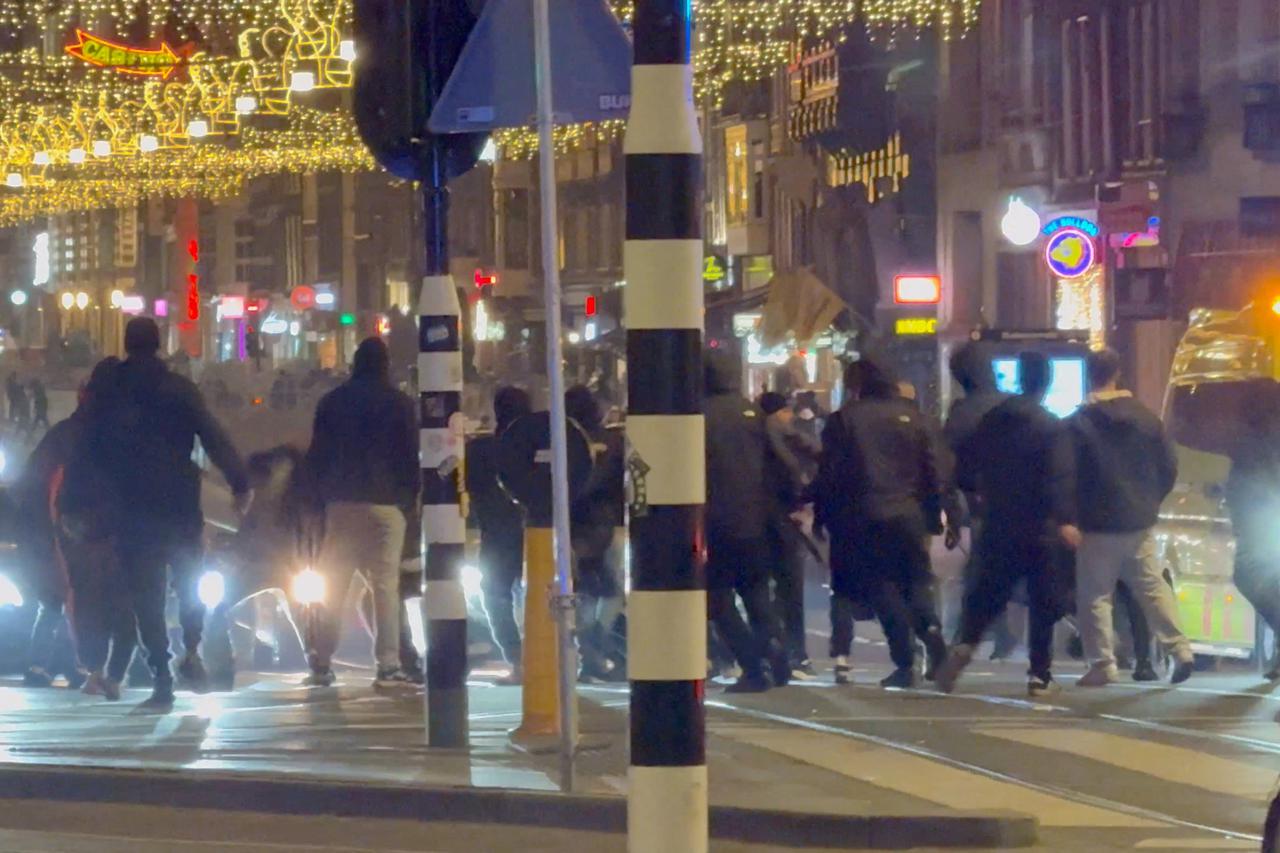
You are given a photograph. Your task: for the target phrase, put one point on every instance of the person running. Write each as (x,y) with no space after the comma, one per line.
(1123,467)
(39,404)
(798,452)
(1018,464)
(364,461)
(738,460)
(501,524)
(878,495)
(135,467)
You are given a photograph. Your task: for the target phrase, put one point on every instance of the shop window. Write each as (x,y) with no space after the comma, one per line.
(737,166)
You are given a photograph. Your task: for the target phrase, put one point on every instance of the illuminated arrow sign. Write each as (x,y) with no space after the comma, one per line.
(126,59)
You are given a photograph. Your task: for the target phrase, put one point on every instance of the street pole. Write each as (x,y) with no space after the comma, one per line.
(563,600)
(441,448)
(667,609)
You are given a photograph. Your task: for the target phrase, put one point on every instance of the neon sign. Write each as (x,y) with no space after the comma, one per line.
(1070,253)
(193,283)
(124,58)
(1077,223)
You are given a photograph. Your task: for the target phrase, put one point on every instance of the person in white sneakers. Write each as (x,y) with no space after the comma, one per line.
(1124,469)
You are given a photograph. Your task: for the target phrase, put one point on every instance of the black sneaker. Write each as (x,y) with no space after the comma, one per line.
(320,678)
(192,675)
(37,677)
(392,678)
(749,684)
(935,653)
(1144,671)
(161,699)
(1182,670)
(780,667)
(900,679)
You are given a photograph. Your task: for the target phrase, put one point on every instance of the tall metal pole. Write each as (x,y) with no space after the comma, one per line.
(441,455)
(568,652)
(667,609)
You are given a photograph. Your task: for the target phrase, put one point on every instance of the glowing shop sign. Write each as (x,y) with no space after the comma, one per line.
(1077,223)
(1070,253)
(124,58)
(915,326)
(713,271)
(1021,224)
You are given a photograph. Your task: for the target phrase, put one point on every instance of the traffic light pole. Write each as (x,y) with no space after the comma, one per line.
(666,611)
(441,453)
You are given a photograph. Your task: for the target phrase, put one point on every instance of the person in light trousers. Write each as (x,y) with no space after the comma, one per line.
(1124,468)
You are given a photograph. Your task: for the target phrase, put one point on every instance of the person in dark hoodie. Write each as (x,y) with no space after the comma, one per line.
(738,477)
(1124,468)
(501,526)
(879,495)
(971,369)
(364,458)
(1020,468)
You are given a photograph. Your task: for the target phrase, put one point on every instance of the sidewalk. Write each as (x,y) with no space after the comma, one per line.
(275,746)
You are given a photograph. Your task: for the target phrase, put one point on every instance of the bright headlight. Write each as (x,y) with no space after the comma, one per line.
(308,587)
(211,589)
(10,595)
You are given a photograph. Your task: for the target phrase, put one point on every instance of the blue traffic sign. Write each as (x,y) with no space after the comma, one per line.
(492,85)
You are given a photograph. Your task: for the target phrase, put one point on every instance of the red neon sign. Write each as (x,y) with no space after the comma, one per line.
(193,283)
(917,290)
(303,298)
(124,58)
(485,279)
(589,307)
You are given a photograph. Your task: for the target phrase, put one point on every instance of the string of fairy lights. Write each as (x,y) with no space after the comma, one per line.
(74,136)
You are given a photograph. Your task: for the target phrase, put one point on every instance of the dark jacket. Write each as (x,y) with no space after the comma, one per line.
(364,446)
(798,453)
(140,437)
(962,422)
(879,463)
(1124,466)
(1022,468)
(738,494)
(598,508)
(495,512)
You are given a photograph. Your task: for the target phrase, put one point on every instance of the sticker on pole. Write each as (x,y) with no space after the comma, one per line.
(492,85)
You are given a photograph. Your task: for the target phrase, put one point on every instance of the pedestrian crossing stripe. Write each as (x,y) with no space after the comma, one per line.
(931,781)
(1180,765)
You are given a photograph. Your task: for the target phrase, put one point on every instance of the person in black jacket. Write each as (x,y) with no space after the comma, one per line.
(138,451)
(738,460)
(1019,466)
(1124,467)
(879,496)
(364,461)
(501,524)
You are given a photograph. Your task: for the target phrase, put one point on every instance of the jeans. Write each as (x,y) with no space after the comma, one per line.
(143,566)
(1004,561)
(787,564)
(502,568)
(105,628)
(736,567)
(367,538)
(1105,559)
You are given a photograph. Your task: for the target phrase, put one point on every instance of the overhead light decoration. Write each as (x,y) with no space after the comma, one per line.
(76,155)
(42,158)
(148,143)
(101,148)
(82,300)
(347,50)
(14,180)
(68,300)
(1020,225)
(302,81)
(246,105)
(117,298)
(198,128)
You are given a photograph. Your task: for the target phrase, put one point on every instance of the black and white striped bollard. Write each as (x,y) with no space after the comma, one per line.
(666,611)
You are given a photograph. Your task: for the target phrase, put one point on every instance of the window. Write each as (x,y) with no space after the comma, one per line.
(738,187)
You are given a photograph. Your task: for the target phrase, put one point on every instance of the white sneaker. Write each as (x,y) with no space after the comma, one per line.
(1099,675)
(842,670)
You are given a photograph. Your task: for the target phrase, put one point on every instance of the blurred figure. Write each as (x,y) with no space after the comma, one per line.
(972,371)
(364,460)
(501,524)
(798,453)
(1124,468)
(134,474)
(1016,461)
(40,405)
(1253,501)
(18,406)
(596,513)
(737,515)
(878,495)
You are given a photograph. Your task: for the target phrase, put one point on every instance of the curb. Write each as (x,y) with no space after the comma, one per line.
(283,794)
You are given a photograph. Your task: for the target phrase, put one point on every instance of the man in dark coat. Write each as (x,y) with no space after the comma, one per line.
(738,460)
(878,495)
(501,524)
(1020,467)
(140,441)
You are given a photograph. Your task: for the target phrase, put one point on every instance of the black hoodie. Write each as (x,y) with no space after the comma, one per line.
(1124,465)
(738,457)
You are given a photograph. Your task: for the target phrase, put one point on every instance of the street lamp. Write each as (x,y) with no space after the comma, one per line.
(18,297)
(68,300)
(117,298)
(82,300)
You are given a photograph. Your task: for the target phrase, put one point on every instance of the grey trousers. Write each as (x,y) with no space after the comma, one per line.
(1104,559)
